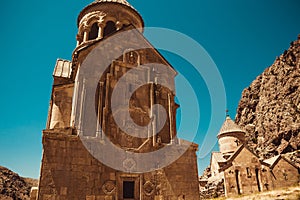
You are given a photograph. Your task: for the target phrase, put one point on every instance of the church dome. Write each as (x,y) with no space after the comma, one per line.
(124,2)
(229,126)
(230,137)
(102,18)
(104,3)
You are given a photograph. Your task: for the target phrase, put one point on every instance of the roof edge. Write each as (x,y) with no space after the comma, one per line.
(81,14)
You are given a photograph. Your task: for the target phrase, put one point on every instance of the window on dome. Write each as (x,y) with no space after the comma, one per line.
(93,34)
(109,28)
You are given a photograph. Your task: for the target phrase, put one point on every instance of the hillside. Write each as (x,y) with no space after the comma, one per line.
(269,109)
(14,187)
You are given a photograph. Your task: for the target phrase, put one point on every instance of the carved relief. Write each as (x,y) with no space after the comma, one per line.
(129,163)
(149,188)
(131,57)
(109,187)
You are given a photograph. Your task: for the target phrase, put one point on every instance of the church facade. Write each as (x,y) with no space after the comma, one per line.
(90,154)
(242,171)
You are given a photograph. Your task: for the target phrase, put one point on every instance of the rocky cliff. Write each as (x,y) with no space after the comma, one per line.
(14,187)
(269,109)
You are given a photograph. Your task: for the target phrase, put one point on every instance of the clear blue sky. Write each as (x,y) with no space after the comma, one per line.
(242,37)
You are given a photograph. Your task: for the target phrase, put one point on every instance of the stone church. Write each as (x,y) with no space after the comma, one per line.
(241,170)
(100,144)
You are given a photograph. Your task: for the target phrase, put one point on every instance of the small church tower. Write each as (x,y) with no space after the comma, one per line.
(111,129)
(230,137)
(241,171)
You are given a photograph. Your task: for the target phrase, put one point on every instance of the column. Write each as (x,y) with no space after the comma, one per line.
(119,25)
(86,34)
(100,30)
(79,39)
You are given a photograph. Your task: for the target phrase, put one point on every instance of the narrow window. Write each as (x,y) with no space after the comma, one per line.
(248,172)
(128,189)
(257,179)
(93,34)
(109,28)
(237,174)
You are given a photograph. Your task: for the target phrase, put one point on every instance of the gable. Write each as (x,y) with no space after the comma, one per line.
(115,45)
(241,155)
(245,156)
(283,163)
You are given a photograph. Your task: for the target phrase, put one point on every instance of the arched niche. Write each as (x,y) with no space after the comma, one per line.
(131,57)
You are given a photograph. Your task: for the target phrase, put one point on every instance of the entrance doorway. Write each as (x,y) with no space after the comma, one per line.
(128,189)
(128,186)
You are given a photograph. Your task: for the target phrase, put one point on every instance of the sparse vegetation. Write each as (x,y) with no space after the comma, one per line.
(292,193)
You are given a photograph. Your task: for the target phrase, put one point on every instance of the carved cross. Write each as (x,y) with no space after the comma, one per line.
(285,175)
(237,142)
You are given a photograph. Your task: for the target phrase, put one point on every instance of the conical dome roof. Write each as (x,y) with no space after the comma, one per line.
(229,126)
(92,6)
(124,2)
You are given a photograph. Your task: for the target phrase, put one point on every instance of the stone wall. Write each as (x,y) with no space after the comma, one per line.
(245,165)
(283,175)
(70,172)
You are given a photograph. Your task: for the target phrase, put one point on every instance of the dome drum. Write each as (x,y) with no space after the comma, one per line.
(103,18)
(230,137)
(229,144)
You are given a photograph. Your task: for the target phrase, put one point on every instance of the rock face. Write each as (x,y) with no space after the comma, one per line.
(14,187)
(213,190)
(269,109)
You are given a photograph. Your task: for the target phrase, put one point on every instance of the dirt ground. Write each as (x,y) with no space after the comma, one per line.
(292,193)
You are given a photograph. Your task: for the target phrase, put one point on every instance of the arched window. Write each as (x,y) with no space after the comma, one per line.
(93,34)
(109,28)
